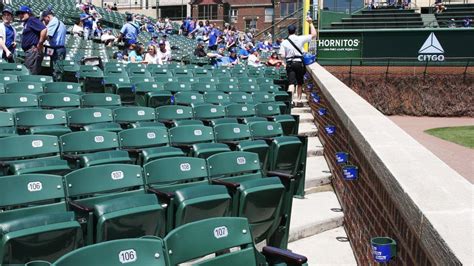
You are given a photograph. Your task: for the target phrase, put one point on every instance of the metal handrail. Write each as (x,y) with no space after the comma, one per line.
(279,22)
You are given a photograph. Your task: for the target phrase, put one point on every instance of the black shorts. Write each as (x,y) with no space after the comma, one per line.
(295,72)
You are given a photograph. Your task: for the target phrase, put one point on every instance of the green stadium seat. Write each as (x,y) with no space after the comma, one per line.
(8,78)
(35,78)
(14,69)
(121,86)
(217,97)
(43,122)
(59,101)
(212,114)
(105,100)
(31,154)
(272,112)
(111,202)
(189,98)
(202,87)
(212,80)
(256,197)
(263,97)
(147,143)
(89,119)
(196,140)
(175,87)
(18,101)
(134,252)
(161,72)
(24,87)
(138,79)
(62,87)
(221,73)
(84,149)
(7,125)
(34,222)
(182,72)
(215,235)
(240,97)
(248,87)
(164,80)
(91,78)
(227,87)
(202,73)
(240,110)
(130,115)
(182,184)
(187,79)
(171,114)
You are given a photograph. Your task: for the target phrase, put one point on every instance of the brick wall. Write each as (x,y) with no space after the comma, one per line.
(255,12)
(369,211)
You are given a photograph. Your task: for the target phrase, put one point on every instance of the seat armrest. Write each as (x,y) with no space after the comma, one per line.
(230,185)
(165,196)
(287,256)
(80,207)
(70,157)
(231,143)
(281,175)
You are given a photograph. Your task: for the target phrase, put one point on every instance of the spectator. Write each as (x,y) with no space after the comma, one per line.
(87,23)
(231,41)
(254,59)
(56,31)
(213,35)
(277,44)
(129,32)
(114,8)
(199,51)
(149,27)
(151,56)
(7,36)
(199,31)
(439,6)
(154,39)
(218,58)
(135,53)
(467,22)
(34,36)
(98,30)
(245,52)
(233,57)
(168,26)
(290,49)
(452,23)
(167,43)
(107,38)
(273,60)
(78,29)
(163,53)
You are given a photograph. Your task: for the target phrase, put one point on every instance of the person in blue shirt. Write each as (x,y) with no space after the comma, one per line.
(129,32)
(56,31)
(87,22)
(7,36)
(244,53)
(34,36)
(213,35)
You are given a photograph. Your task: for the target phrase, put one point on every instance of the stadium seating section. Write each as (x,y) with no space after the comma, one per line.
(149,165)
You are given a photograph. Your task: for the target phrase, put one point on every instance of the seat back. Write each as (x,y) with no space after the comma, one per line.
(209,111)
(105,178)
(231,132)
(14,69)
(133,252)
(264,129)
(8,78)
(6,120)
(188,98)
(267,109)
(35,78)
(100,100)
(227,87)
(248,87)
(86,116)
(165,80)
(148,86)
(240,97)
(216,97)
(240,110)
(234,165)
(191,134)
(131,114)
(203,87)
(263,97)
(210,236)
(18,100)
(88,141)
(138,79)
(173,112)
(24,87)
(143,137)
(59,100)
(175,87)
(65,87)
(30,118)
(28,146)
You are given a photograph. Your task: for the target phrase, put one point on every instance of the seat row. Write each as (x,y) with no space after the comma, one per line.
(186,243)
(115,201)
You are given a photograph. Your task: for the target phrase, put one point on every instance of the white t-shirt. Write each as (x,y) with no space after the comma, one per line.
(164,57)
(253,61)
(152,59)
(287,50)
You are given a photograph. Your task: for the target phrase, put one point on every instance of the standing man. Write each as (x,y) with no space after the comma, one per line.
(87,22)
(34,36)
(56,31)
(213,34)
(291,49)
(7,36)
(129,32)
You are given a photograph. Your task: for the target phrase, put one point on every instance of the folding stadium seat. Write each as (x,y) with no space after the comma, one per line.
(135,116)
(31,154)
(59,101)
(138,79)
(221,73)
(228,80)
(165,80)
(239,73)
(89,119)
(35,78)
(248,87)
(24,87)
(272,112)
(90,78)
(255,73)
(187,79)
(212,80)
(135,251)
(138,71)
(196,140)
(7,125)
(115,71)
(212,114)
(227,87)
(69,70)
(208,239)
(18,101)
(43,122)
(217,97)
(34,222)
(202,87)
(175,87)
(105,100)
(241,97)
(62,87)
(173,115)
(182,184)
(120,86)
(202,73)
(256,197)
(240,110)
(2,88)
(8,78)
(189,98)
(147,143)
(161,72)
(151,94)
(111,203)
(263,97)
(84,149)
(14,69)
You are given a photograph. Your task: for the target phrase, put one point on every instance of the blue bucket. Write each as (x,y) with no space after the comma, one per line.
(383,249)
(322,111)
(308,59)
(350,172)
(342,157)
(310,86)
(330,129)
(316,99)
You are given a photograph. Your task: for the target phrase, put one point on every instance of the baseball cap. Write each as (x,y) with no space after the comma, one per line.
(46,13)
(7,10)
(132,41)
(161,42)
(23,9)
(292,28)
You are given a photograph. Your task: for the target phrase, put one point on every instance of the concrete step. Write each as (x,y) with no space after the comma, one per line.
(316,213)
(299,110)
(317,173)
(306,117)
(308,129)
(315,148)
(327,248)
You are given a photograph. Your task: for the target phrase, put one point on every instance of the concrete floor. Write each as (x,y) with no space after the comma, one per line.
(458,157)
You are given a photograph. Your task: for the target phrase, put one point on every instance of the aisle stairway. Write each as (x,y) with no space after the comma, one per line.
(317,220)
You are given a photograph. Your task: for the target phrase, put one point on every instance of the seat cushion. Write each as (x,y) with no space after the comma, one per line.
(150,154)
(204,150)
(56,130)
(34,221)
(108,126)
(123,203)
(104,157)
(51,164)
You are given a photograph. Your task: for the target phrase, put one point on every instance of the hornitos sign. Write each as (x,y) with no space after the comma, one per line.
(431,50)
(336,47)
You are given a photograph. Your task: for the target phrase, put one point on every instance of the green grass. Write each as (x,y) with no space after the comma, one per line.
(460,135)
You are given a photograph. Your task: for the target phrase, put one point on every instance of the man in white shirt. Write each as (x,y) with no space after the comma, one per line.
(163,54)
(253,59)
(294,59)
